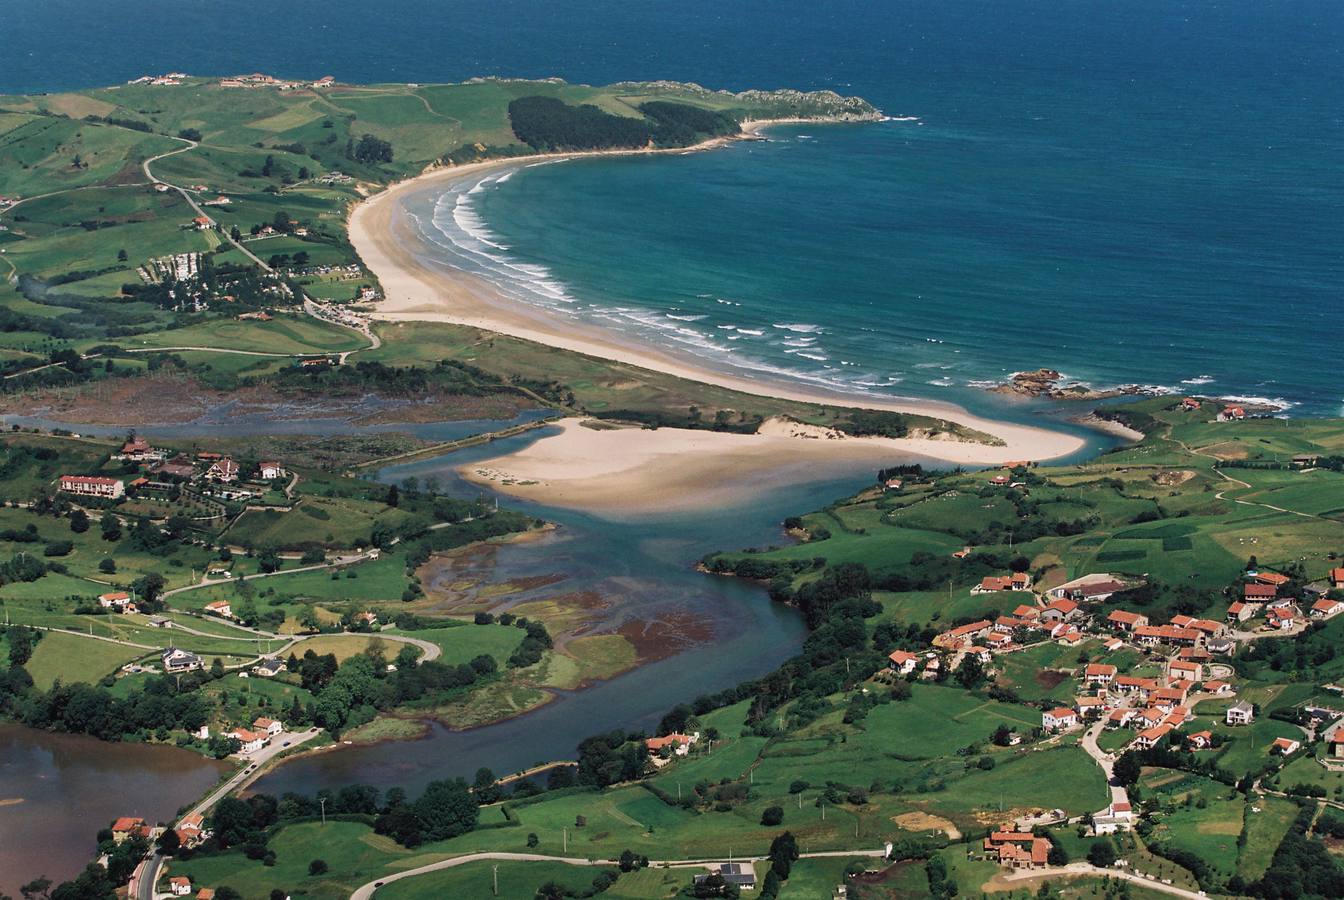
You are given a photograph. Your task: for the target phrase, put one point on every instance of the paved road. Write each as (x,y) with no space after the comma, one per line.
(1075,870)
(366,891)
(192,145)
(147,873)
(335,563)
(1105,760)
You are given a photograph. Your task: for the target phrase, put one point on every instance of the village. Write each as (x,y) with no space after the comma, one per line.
(1177,667)
(162,475)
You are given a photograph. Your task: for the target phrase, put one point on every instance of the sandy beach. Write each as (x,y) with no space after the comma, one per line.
(586,467)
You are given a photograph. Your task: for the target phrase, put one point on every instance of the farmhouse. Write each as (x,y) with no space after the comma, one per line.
(1256,591)
(1242,611)
(1126,620)
(680,743)
(269,726)
(118,600)
(902,662)
(1166,634)
(220,608)
(1337,578)
(1060,610)
(1059,719)
(957,636)
(223,470)
(139,450)
(271,470)
(1151,737)
(268,668)
(1273,578)
(1099,673)
(1088,589)
(1201,740)
(1217,687)
(1179,669)
(1280,618)
(179,885)
(1324,609)
(126,827)
(93,486)
(251,741)
(1018,849)
(175,660)
(742,876)
(1018,581)
(1285,746)
(1242,713)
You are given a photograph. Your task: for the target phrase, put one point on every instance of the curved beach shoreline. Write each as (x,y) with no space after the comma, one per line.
(575,467)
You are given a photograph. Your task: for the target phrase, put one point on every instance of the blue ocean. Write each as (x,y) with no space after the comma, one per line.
(1144,192)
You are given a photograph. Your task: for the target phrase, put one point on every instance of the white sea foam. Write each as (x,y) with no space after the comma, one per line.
(686,318)
(800,328)
(1277,402)
(816,356)
(754,332)
(1202,379)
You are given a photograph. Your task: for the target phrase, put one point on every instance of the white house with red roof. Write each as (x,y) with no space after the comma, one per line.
(1325,608)
(1285,746)
(902,662)
(1242,611)
(269,726)
(680,744)
(1281,618)
(251,741)
(220,608)
(118,600)
(1060,718)
(1099,674)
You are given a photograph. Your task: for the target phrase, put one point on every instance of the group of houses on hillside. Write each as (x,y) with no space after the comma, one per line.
(211,474)
(1174,671)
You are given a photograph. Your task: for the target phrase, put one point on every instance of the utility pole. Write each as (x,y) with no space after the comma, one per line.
(495,887)
(564,839)
(323,802)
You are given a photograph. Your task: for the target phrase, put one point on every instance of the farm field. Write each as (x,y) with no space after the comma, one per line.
(69,659)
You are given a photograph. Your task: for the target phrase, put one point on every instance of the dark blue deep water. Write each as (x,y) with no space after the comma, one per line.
(1144,192)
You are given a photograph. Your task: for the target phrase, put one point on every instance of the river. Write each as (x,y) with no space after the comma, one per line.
(57,790)
(723,630)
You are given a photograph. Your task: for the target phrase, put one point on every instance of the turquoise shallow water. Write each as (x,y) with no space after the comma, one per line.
(1146,192)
